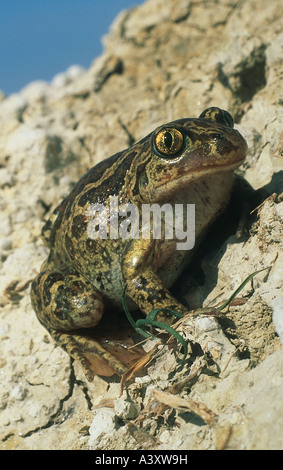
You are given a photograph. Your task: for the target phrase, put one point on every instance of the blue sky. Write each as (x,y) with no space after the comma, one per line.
(40,38)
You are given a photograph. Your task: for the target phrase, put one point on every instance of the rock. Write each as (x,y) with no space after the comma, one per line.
(72,73)
(6,178)
(277,305)
(102,425)
(125,409)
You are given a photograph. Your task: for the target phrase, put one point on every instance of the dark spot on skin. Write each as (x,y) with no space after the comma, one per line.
(60,312)
(99,280)
(89,196)
(159,295)
(51,279)
(141,177)
(79,226)
(111,185)
(46,226)
(77,287)
(38,304)
(36,299)
(131,155)
(160,169)
(62,303)
(152,293)
(90,244)
(46,298)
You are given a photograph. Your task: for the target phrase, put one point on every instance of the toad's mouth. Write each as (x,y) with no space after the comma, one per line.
(197,168)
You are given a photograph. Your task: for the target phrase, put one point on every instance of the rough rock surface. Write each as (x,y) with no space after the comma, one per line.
(163,60)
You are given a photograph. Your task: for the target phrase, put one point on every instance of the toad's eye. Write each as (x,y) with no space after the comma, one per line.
(168,142)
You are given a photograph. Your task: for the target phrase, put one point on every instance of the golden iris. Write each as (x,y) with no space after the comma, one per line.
(169,141)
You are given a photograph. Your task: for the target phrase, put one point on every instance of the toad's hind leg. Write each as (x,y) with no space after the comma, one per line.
(93,358)
(67,305)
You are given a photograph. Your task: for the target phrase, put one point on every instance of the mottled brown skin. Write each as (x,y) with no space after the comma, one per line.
(189,161)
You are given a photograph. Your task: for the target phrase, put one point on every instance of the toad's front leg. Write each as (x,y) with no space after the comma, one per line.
(144,286)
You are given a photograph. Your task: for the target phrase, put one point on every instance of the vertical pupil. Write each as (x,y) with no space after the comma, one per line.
(168,140)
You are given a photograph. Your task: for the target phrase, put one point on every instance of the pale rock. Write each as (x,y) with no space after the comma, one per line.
(277,305)
(102,425)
